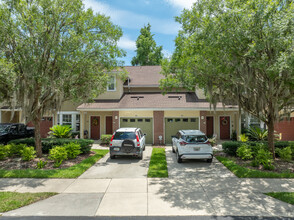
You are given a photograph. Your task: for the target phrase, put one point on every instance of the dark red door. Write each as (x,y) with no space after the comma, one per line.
(209,126)
(95,127)
(286,128)
(45,126)
(224,127)
(109,125)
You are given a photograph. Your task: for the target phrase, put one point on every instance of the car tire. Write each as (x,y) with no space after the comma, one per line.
(173,150)
(209,160)
(112,156)
(141,156)
(179,159)
(144,148)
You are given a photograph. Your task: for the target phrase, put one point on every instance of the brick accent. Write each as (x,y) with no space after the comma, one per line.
(115,120)
(286,128)
(158,120)
(203,121)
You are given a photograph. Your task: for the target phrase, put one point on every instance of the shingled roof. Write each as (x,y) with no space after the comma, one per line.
(152,101)
(144,76)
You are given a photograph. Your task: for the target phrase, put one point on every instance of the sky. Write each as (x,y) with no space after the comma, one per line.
(132,15)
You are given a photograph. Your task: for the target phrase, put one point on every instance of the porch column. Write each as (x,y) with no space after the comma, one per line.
(158,119)
(115,120)
(82,124)
(203,121)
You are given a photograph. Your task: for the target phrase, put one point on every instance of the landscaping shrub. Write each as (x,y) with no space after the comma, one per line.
(15,149)
(243,138)
(105,138)
(285,153)
(49,143)
(245,152)
(3,152)
(41,164)
(283,144)
(73,150)
(75,133)
(58,155)
(28,153)
(264,157)
(230,147)
(257,134)
(61,131)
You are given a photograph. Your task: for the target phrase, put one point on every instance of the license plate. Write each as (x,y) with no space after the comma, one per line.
(196,148)
(116,149)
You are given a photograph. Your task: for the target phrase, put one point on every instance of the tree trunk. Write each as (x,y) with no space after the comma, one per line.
(270,137)
(38,143)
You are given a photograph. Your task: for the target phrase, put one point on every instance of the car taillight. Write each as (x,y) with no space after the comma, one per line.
(183,143)
(111,140)
(138,141)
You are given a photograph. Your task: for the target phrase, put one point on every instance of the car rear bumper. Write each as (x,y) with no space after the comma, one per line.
(196,156)
(137,151)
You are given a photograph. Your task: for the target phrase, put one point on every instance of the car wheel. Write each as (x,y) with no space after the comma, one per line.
(141,156)
(179,159)
(112,156)
(144,147)
(209,160)
(173,150)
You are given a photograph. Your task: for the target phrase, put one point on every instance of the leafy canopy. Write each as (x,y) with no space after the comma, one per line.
(240,51)
(147,51)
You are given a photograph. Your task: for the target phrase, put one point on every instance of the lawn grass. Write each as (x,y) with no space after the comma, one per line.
(14,200)
(158,165)
(71,172)
(243,172)
(283,196)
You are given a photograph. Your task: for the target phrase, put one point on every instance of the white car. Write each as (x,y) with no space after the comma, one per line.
(191,144)
(127,141)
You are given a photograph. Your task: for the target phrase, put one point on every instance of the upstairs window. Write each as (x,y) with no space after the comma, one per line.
(111,84)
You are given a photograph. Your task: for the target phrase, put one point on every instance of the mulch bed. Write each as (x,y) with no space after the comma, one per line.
(281,166)
(17,163)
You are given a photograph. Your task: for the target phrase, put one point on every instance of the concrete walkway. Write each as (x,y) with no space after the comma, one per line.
(193,188)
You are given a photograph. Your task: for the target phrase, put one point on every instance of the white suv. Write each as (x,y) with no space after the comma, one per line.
(192,144)
(127,141)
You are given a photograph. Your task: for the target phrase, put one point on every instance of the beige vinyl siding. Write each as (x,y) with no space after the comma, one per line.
(170,113)
(135,113)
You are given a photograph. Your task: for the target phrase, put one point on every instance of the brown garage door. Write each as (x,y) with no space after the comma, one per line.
(286,128)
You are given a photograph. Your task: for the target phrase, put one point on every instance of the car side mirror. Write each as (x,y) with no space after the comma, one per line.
(173,136)
(145,134)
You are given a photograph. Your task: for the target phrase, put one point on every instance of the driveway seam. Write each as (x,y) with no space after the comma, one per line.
(103,197)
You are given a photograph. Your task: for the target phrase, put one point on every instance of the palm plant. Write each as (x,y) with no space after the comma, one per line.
(257,134)
(61,131)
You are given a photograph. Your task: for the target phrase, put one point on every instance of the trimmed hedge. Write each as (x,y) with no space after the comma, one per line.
(49,143)
(105,138)
(230,147)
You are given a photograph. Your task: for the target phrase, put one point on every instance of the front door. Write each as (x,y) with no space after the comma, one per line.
(95,127)
(224,122)
(209,126)
(109,125)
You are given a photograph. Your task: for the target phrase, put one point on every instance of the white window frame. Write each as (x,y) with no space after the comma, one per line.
(108,83)
(73,119)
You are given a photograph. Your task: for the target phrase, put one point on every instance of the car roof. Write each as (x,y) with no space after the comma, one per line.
(191,132)
(127,129)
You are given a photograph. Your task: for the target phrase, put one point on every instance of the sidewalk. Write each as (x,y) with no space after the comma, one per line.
(189,191)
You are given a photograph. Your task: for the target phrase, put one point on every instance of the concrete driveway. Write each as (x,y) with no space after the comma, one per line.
(120,167)
(193,189)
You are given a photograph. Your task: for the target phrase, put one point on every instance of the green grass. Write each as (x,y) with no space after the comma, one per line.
(243,172)
(283,196)
(14,200)
(71,172)
(158,165)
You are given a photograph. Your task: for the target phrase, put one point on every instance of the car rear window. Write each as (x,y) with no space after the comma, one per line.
(124,135)
(194,138)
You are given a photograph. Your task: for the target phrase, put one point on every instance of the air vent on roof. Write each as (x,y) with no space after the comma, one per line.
(175,97)
(137,97)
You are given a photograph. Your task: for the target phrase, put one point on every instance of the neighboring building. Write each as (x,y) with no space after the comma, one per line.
(139,102)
